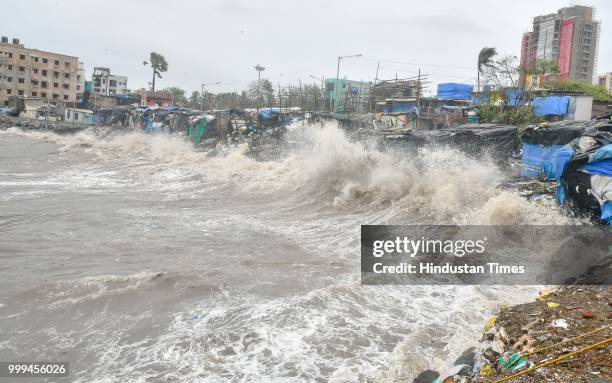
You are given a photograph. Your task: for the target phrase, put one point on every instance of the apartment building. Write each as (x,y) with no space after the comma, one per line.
(569,37)
(605,80)
(34,73)
(108,84)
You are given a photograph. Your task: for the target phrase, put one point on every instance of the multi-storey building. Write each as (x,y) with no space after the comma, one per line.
(34,73)
(108,84)
(605,80)
(569,37)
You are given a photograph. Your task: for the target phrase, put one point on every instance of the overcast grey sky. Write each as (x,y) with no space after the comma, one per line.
(214,40)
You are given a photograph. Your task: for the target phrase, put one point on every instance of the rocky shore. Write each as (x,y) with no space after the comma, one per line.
(27,124)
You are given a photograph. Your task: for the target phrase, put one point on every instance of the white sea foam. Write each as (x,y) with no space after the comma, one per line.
(314,198)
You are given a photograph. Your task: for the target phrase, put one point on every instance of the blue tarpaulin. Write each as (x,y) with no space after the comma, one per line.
(514,97)
(400,107)
(551,105)
(534,157)
(268,113)
(604,153)
(455,91)
(606,212)
(553,167)
(480,99)
(603,167)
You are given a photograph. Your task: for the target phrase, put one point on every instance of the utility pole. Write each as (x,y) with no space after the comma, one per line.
(377,68)
(301,95)
(418,97)
(336,93)
(280,102)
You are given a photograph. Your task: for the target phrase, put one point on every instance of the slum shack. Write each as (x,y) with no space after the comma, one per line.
(575,156)
(495,140)
(194,124)
(583,172)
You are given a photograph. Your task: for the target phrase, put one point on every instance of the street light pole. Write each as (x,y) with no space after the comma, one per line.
(338,75)
(259,69)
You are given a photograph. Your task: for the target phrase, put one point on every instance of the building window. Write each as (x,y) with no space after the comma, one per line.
(55,85)
(43,94)
(44,72)
(36,59)
(21,81)
(67,63)
(56,74)
(66,75)
(65,97)
(10,55)
(20,92)
(21,57)
(78,76)
(10,67)
(45,61)
(65,86)
(9,79)
(56,62)
(78,87)
(55,96)
(35,70)
(112,83)
(22,69)
(8,91)
(34,94)
(35,82)
(44,84)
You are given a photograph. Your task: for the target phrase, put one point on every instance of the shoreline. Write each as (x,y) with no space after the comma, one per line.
(562,336)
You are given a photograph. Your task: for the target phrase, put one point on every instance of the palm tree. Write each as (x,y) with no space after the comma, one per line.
(159,65)
(485,59)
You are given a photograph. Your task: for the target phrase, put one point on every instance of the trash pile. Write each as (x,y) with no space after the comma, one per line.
(565,336)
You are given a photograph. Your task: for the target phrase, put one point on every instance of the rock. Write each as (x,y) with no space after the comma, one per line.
(586,314)
(560,323)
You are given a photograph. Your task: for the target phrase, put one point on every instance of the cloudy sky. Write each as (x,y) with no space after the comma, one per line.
(214,40)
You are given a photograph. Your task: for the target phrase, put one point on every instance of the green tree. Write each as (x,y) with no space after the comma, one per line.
(485,58)
(159,65)
(227,100)
(195,100)
(541,68)
(178,96)
(598,92)
(262,91)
